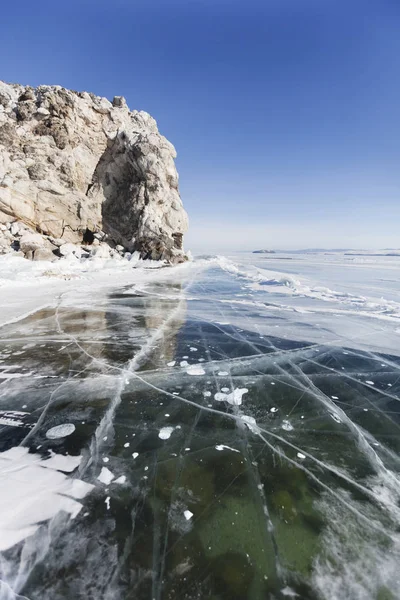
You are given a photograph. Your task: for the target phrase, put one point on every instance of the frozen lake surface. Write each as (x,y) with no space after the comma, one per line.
(224,429)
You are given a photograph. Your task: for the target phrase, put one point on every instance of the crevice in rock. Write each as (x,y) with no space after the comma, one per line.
(178,240)
(88,237)
(123,187)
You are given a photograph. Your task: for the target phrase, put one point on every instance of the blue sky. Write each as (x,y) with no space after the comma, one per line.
(284,113)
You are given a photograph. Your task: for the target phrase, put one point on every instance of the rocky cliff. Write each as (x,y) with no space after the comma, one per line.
(79,169)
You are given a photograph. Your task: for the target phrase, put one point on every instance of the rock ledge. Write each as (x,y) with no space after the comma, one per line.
(78,169)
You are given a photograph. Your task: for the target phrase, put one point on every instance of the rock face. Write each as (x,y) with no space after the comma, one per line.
(75,167)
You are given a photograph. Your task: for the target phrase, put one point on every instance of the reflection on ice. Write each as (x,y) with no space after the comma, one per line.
(212,444)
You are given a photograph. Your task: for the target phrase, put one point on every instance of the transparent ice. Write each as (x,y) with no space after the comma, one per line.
(236,429)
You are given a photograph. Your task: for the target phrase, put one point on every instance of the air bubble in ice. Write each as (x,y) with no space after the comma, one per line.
(165,433)
(60,431)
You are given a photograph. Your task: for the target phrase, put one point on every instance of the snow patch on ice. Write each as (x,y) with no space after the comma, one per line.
(251,423)
(195,370)
(121,480)
(235,398)
(12,418)
(34,490)
(105,476)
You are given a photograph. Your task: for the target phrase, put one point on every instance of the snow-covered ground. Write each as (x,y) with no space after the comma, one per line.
(27,286)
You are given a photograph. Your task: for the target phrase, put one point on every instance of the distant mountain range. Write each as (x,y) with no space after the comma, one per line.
(346,251)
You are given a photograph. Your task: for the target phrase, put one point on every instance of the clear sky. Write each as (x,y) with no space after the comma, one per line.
(284,113)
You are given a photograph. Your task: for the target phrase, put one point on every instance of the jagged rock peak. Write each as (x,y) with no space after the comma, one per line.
(73,164)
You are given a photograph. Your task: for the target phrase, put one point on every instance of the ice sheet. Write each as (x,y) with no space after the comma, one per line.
(236,429)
